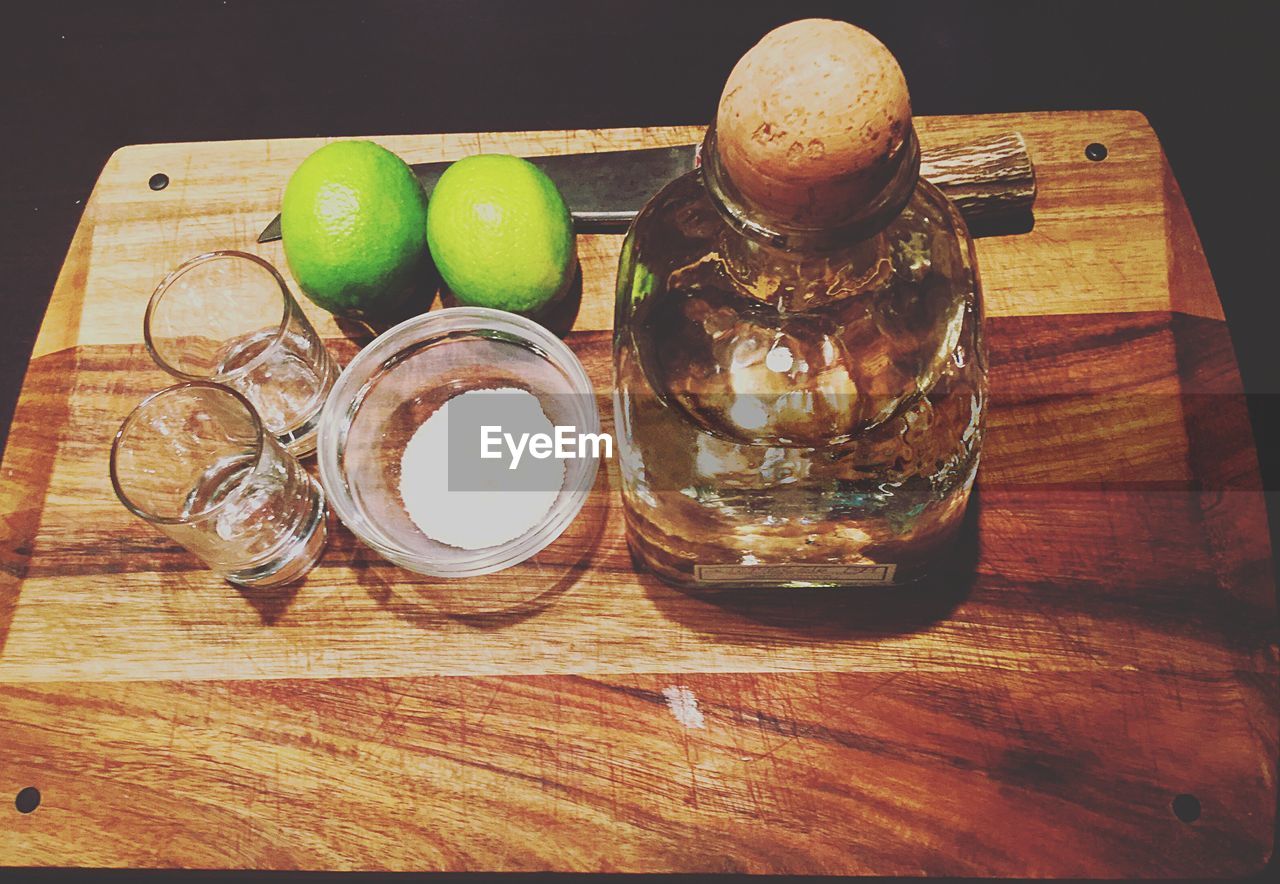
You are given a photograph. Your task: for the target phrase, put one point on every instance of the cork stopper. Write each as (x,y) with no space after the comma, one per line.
(812,123)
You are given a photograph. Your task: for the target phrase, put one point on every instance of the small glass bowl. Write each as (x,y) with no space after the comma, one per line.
(398,381)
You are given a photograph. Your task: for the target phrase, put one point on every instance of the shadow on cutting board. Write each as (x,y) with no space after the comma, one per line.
(821,614)
(557,317)
(425,288)
(272,602)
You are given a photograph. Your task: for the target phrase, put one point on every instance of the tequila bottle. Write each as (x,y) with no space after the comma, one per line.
(800,377)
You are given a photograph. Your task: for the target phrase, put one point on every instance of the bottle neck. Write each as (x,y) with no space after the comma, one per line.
(863,222)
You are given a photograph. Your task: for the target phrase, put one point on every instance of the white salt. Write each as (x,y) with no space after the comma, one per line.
(468,519)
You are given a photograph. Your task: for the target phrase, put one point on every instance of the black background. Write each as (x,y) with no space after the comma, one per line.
(78,81)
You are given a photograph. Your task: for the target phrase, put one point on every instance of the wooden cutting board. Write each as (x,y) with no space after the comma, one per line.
(1110,647)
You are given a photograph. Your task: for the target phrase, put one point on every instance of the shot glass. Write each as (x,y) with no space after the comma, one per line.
(195,461)
(229,317)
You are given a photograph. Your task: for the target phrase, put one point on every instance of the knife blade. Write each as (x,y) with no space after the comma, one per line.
(992,182)
(603,190)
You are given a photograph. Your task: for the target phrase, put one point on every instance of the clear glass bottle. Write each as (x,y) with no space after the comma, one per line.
(797,404)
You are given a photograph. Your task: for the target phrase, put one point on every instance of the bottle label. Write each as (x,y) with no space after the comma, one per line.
(848,575)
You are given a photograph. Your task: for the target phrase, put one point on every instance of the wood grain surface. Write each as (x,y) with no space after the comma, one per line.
(1104,641)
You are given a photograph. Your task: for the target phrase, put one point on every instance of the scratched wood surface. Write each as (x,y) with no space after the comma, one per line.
(1106,643)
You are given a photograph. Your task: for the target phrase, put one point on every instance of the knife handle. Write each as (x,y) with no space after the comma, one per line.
(991,181)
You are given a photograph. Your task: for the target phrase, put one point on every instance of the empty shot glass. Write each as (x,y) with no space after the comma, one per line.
(195,461)
(229,317)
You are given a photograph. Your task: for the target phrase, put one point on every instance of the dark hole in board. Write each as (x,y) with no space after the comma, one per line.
(28,800)
(159,181)
(1186,808)
(1096,152)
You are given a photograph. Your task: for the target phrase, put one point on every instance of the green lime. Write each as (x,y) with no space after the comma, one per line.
(500,233)
(354,225)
